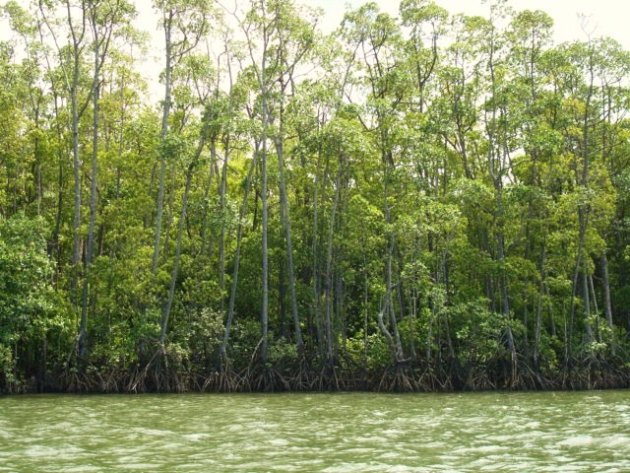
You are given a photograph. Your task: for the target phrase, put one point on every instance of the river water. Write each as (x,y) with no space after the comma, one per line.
(358,432)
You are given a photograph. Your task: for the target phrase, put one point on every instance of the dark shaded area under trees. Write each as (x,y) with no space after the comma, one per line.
(428,202)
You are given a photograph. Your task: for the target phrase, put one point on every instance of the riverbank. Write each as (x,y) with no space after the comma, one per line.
(304,378)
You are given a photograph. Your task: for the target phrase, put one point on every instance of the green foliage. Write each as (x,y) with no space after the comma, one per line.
(462,176)
(371,352)
(479,333)
(32,313)
(282,352)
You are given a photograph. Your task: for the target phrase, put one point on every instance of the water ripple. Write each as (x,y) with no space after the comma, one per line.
(333,433)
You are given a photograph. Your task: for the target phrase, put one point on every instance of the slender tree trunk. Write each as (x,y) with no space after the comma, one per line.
(595,306)
(166,310)
(93,196)
(206,245)
(389,299)
(282,298)
(505,306)
(237,257)
(38,163)
(222,204)
(286,223)
(587,308)
(606,284)
(539,308)
(264,314)
(55,247)
(316,314)
(330,352)
(76,170)
(166,108)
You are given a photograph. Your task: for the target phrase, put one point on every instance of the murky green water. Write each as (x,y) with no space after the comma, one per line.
(522,432)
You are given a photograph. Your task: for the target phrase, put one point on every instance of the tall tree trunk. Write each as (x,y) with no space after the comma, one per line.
(286,223)
(55,247)
(389,299)
(206,245)
(315,310)
(328,324)
(539,308)
(587,308)
(505,302)
(606,284)
(166,108)
(222,205)
(237,257)
(264,313)
(76,171)
(93,194)
(166,310)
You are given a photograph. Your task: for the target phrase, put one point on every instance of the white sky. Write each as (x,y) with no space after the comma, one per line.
(606,18)
(609,17)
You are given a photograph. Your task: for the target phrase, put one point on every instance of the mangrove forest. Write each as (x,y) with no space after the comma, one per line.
(426,201)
